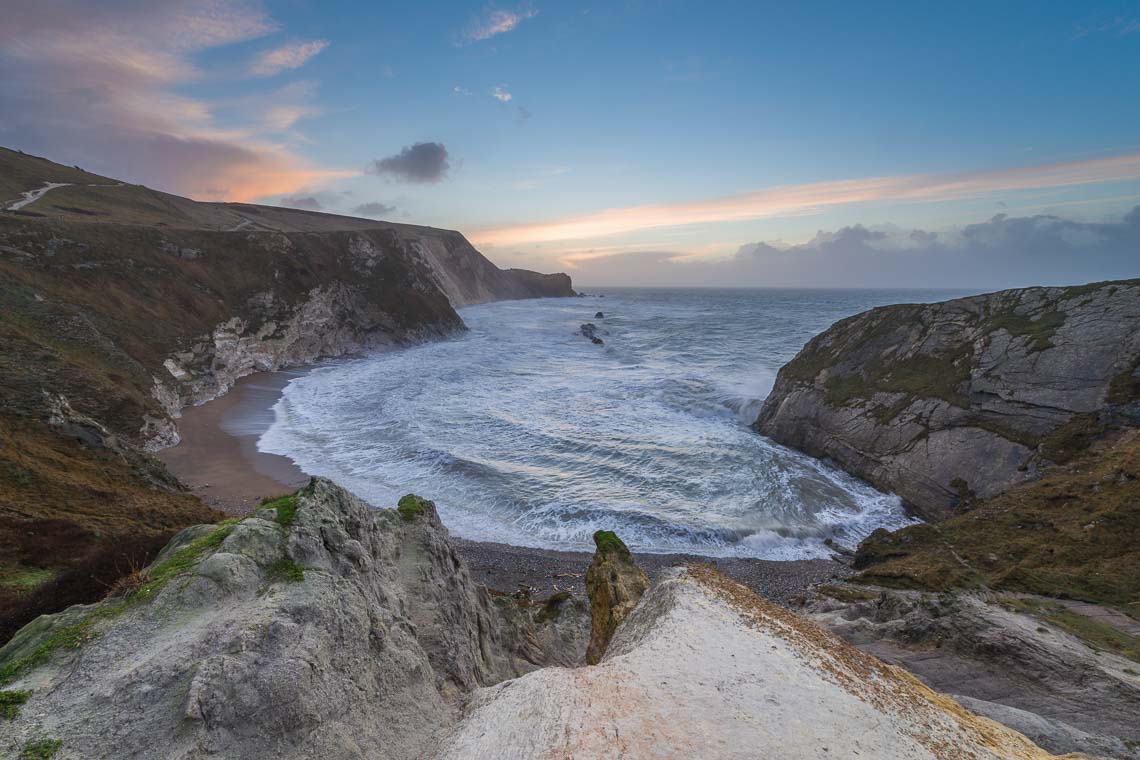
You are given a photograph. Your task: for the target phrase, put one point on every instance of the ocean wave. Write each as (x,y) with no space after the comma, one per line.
(526,433)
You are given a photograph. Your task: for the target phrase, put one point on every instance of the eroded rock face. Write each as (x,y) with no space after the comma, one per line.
(614,584)
(999,661)
(317,628)
(703,668)
(945,402)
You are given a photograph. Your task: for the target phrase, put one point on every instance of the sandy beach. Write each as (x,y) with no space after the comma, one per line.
(219,460)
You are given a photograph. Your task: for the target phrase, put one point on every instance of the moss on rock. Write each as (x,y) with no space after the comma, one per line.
(607,541)
(410,507)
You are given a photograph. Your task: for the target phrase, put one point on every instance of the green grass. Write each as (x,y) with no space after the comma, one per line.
(21,578)
(73,636)
(1074,533)
(1040,331)
(410,507)
(846,593)
(1098,635)
(69,637)
(1125,387)
(10,702)
(40,749)
(287,570)
(286,507)
(181,561)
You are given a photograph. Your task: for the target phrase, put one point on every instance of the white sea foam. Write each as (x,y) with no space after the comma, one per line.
(526,433)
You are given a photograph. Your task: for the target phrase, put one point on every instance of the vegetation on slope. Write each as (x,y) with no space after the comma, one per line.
(100,282)
(1073,534)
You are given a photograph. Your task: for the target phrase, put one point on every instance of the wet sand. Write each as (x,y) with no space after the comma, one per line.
(219,460)
(218,456)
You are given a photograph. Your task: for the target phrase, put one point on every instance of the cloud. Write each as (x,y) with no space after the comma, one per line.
(100,85)
(305,203)
(290,56)
(496,22)
(500,94)
(373,209)
(1000,252)
(423,162)
(1119,26)
(457,90)
(789,200)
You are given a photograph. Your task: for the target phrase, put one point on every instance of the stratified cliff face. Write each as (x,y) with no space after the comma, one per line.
(947,402)
(317,627)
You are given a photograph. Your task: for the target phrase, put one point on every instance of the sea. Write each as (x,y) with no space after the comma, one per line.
(523,431)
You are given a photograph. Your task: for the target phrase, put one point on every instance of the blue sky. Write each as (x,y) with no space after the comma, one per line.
(559,123)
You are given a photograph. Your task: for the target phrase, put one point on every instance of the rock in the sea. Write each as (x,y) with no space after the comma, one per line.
(599,315)
(703,668)
(947,402)
(590,330)
(614,584)
(317,627)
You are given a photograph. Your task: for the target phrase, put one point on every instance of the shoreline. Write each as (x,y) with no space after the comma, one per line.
(218,459)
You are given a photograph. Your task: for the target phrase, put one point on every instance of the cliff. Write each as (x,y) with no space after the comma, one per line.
(949,402)
(322,627)
(122,305)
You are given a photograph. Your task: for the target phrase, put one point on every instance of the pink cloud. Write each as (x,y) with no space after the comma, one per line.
(788,200)
(97,85)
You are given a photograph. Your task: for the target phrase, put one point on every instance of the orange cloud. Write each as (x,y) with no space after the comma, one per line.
(787,200)
(98,84)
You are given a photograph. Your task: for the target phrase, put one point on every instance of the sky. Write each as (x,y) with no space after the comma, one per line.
(647,142)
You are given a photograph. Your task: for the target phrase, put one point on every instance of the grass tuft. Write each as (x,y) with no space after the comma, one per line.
(10,702)
(286,570)
(40,749)
(286,507)
(410,507)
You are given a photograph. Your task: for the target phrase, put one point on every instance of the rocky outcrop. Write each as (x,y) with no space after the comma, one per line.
(1002,658)
(317,627)
(943,403)
(614,584)
(704,668)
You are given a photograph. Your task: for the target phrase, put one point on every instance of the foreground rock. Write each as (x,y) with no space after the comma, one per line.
(316,628)
(704,668)
(614,584)
(948,402)
(1013,658)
